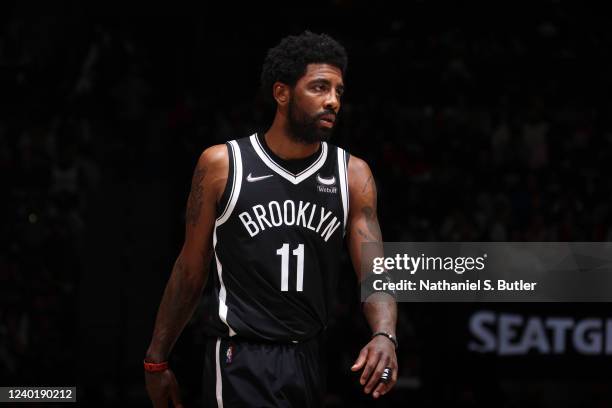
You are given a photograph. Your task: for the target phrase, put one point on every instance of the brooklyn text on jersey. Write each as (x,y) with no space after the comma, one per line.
(285,214)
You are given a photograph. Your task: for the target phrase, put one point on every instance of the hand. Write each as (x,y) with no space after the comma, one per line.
(161,386)
(375,356)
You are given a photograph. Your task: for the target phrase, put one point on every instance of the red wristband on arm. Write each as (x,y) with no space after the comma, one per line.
(155,367)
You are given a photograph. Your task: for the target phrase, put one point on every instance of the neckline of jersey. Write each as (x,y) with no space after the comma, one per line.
(280,170)
(295,167)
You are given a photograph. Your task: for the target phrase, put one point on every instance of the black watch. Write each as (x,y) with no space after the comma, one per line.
(389,336)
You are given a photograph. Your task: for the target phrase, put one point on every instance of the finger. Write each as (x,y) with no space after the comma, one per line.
(393,377)
(361,359)
(376,374)
(371,365)
(175,395)
(380,389)
(387,387)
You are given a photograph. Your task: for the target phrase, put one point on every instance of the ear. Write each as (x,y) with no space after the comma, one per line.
(281,93)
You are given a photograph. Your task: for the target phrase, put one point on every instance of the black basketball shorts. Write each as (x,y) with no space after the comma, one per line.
(244,373)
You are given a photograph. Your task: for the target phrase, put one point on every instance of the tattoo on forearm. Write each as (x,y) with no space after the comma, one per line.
(196,196)
(179,266)
(372,223)
(177,307)
(367,237)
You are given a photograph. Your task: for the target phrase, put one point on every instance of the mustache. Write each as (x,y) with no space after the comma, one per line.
(327,112)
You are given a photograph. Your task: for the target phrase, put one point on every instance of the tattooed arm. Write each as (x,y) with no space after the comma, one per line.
(381,315)
(190,271)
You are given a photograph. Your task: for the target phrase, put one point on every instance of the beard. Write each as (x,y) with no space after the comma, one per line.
(304,128)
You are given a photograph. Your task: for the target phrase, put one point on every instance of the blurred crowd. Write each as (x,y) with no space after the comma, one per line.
(492,135)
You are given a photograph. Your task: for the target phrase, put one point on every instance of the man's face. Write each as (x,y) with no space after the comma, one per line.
(314,103)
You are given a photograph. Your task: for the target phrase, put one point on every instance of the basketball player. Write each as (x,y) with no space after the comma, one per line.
(272,211)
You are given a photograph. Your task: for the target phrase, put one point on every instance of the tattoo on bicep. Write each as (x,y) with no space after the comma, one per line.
(367,183)
(196,196)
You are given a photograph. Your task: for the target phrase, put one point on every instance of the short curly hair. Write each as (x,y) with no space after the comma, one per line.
(287,61)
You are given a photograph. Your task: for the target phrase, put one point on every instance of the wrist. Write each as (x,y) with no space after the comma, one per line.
(391,337)
(155,357)
(155,367)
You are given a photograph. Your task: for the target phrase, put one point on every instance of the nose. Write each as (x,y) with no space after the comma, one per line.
(332,102)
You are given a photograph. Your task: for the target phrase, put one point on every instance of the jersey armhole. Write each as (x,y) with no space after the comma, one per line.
(225,197)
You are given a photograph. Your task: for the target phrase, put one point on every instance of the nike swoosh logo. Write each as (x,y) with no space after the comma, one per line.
(251,179)
(326,181)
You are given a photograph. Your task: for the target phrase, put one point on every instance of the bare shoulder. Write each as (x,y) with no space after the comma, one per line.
(213,164)
(214,157)
(359,174)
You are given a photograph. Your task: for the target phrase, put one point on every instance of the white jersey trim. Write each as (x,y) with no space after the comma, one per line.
(344,192)
(231,203)
(219,384)
(234,150)
(293,178)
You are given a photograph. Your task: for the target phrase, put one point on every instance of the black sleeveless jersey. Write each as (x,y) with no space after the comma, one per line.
(277,242)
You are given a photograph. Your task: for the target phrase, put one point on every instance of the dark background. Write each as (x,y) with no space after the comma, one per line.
(480,123)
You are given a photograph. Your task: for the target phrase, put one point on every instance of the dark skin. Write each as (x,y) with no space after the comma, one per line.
(190,272)
(381,313)
(318,90)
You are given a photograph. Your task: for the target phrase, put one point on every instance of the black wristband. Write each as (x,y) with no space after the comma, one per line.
(387,335)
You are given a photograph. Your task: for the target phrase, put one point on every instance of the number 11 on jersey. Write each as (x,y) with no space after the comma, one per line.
(284,253)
